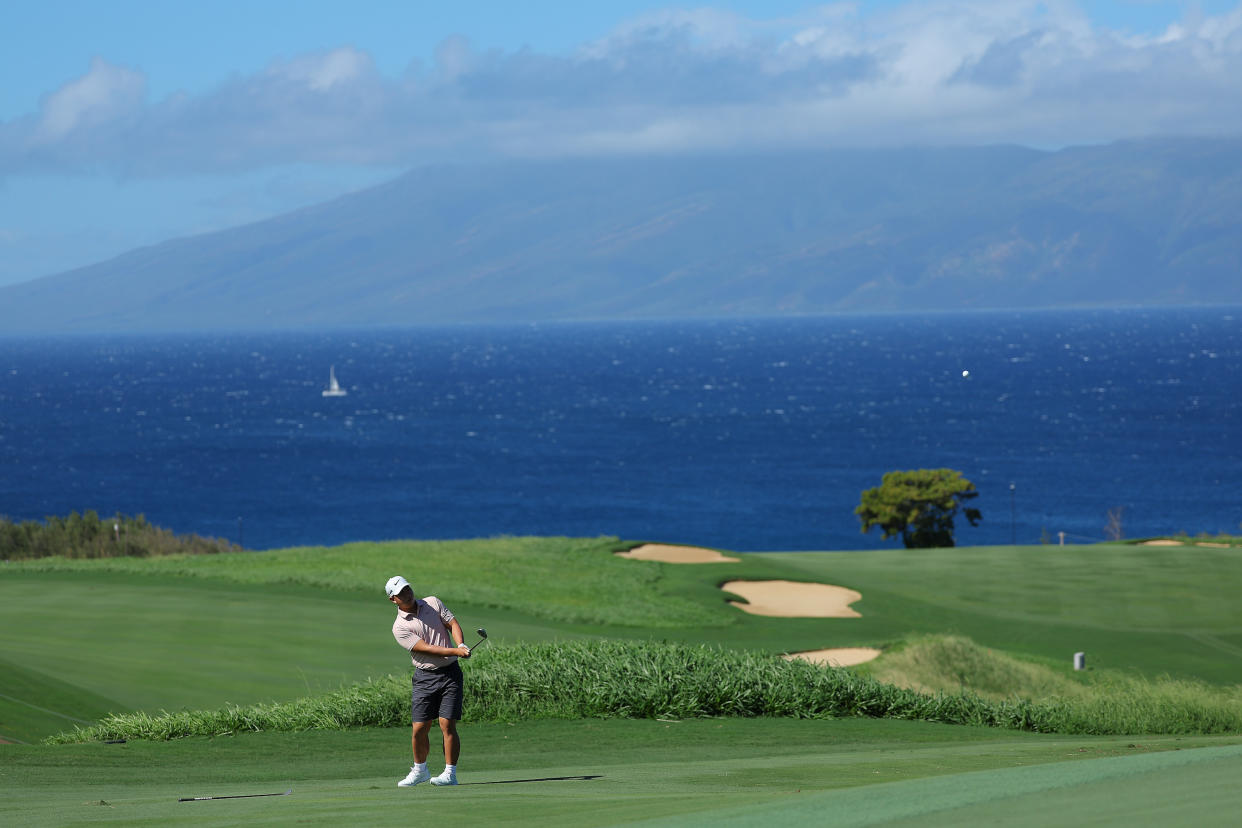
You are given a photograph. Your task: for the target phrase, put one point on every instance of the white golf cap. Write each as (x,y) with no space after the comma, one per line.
(395,584)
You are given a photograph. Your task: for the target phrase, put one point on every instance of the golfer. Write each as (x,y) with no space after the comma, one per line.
(434,640)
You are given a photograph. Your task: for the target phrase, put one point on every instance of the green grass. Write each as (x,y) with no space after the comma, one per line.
(124,643)
(566,580)
(202,631)
(1123,703)
(947,664)
(644,680)
(33,705)
(951,663)
(1144,610)
(748,771)
(1148,610)
(79,636)
(1105,586)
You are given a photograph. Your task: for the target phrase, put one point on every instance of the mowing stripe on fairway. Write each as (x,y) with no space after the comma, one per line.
(690,772)
(1213,641)
(45,710)
(34,704)
(1124,790)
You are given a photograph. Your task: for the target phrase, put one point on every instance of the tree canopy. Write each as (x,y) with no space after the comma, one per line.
(920,505)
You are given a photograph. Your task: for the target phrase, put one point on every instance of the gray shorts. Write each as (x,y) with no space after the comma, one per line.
(436,693)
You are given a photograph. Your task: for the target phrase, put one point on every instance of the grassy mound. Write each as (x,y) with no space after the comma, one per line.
(566,580)
(955,663)
(643,680)
(1118,702)
(1145,609)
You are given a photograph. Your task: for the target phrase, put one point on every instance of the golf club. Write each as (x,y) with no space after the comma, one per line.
(482,637)
(230,796)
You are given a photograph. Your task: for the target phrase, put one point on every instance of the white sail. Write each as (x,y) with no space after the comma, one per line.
(334,388)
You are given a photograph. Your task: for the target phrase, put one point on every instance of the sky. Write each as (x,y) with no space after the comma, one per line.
(129,122)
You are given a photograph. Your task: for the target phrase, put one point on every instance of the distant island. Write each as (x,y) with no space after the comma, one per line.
(1155,222)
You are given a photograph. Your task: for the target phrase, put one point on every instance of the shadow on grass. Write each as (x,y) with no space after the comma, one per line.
(543,779)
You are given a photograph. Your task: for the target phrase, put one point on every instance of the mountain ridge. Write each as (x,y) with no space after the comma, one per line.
(1136,223)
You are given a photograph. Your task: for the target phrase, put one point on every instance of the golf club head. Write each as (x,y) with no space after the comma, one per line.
(482,632)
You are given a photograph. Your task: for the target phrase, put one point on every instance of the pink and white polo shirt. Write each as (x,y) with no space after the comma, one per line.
(429,623)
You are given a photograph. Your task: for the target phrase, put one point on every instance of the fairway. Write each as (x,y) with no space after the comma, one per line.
(142,643)
(195,633)
(289,622)
(744,772)
(167,643)
(1148,610)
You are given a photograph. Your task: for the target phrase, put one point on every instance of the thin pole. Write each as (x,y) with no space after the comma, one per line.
(1013,517)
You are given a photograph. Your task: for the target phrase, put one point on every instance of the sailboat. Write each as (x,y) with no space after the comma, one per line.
(334,388)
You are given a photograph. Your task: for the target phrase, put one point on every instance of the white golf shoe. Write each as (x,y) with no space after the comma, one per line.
(446,778)
(415,777)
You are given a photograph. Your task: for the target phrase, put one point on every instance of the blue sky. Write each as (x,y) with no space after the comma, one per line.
(129,122)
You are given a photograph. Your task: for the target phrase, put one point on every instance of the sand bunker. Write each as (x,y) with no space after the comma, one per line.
(838,657)
(791,599)
(1171,542)
(676,554)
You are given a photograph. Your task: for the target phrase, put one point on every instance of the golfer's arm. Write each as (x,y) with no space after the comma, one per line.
(421,646)
(458,635)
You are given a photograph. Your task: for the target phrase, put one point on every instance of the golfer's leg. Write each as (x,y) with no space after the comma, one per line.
(419,741)
(452,742)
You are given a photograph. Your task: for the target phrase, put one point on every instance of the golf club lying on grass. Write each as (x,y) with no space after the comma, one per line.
(482,637)
(230,796)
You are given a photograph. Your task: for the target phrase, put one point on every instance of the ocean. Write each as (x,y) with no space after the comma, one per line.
(742,434)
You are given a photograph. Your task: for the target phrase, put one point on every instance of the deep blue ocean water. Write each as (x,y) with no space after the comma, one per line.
(741,434)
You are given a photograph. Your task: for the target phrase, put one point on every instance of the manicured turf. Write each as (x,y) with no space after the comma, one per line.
(122,643)
(694,772)
(125,642)
(1041,599)
(211,629)
(33,705)
(1149,610)
(1185,788)
(81,637)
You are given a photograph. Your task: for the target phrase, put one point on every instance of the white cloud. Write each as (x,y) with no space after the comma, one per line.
(948,71)
(710,29)
(453,58)
(321,72)
(105,94)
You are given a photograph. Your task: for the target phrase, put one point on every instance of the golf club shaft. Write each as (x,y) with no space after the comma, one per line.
(231,796)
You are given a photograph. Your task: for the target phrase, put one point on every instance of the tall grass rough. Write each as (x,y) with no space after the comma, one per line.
(644,680)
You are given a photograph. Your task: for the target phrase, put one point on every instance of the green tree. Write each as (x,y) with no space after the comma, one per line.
(919,505)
